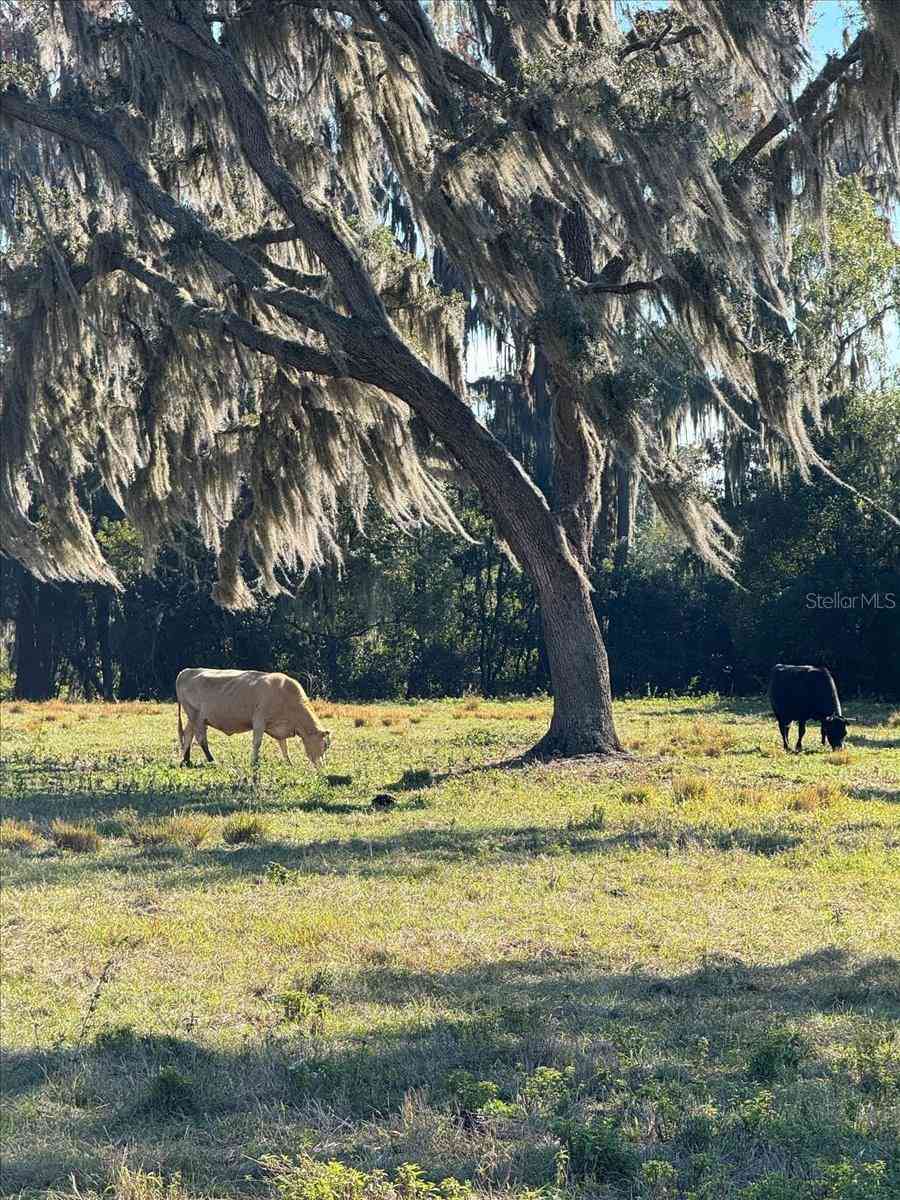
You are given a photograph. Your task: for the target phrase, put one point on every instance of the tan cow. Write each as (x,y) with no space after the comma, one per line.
(238,701)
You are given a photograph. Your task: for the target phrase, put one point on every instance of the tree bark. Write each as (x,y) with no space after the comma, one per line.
(582,721)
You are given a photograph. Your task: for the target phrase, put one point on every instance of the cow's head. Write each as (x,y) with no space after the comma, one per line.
(316,743)
(835,730)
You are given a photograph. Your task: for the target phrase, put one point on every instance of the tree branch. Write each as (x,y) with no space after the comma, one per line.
(203,315)
(618,289)
(321,234)
(86,127)
(662,40)
(804,106)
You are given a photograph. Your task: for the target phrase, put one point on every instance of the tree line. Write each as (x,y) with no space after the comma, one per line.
(427,614)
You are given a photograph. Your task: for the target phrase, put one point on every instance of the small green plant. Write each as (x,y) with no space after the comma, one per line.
(80,839)
(692,789)
(875,1062)
(596,819)
(307,1178)
(305,1009)
(17,835)
(597,1150)
(277,873)
(471,1094)
(846,1180)
(775,1186)
(243,828)
(547,1090)
(136,1184)
(659,1179)
(777,1053)
(170,1093)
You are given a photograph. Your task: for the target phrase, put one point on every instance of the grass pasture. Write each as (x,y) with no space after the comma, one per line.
(671,976)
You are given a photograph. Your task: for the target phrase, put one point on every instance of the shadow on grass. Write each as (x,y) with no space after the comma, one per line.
(413,854)
(509,1017)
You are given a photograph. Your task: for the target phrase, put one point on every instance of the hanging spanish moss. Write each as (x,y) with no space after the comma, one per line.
(191,197)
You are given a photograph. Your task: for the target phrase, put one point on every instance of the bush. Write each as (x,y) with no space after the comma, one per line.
(547,1090)
(17,835)
(245,827)
(471,1094)
(81,839)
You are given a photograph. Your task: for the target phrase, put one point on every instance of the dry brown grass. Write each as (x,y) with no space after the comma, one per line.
(692,788)
(705,737)
(182,830)
(638,795)
(815,796)
(18,835)
(752,797)
(80,839)
(893,721)
(243,828)
(840,758)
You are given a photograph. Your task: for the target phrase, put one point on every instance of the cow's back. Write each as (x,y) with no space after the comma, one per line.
(797,693)
(226,699)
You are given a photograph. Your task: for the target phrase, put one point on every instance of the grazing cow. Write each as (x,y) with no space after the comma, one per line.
(804,694)
(238,701)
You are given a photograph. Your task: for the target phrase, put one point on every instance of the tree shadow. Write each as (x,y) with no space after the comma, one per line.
(412,854)
(499,1020)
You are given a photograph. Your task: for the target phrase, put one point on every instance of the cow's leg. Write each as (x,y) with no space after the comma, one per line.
(823,733)
(200,733)
(259,729)
(282,742)
(785,726)
(801,729)
(188,737)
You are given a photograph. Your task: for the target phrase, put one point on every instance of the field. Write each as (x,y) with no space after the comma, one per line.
(676,975)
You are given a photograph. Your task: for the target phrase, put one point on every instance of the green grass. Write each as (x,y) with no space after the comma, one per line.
(676,975)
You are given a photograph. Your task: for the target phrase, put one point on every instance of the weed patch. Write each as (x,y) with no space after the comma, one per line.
(244,828)
(695,789)
(18,835)
(80,839)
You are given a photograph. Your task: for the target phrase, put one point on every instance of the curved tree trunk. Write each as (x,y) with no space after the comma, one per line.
(582,720)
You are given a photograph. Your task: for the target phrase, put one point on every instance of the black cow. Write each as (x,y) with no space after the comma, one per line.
(804,694)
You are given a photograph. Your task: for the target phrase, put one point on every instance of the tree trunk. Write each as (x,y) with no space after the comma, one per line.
(104,597)
(582,720)
(35,677)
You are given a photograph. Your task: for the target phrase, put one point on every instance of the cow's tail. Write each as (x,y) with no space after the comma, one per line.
(180,728)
